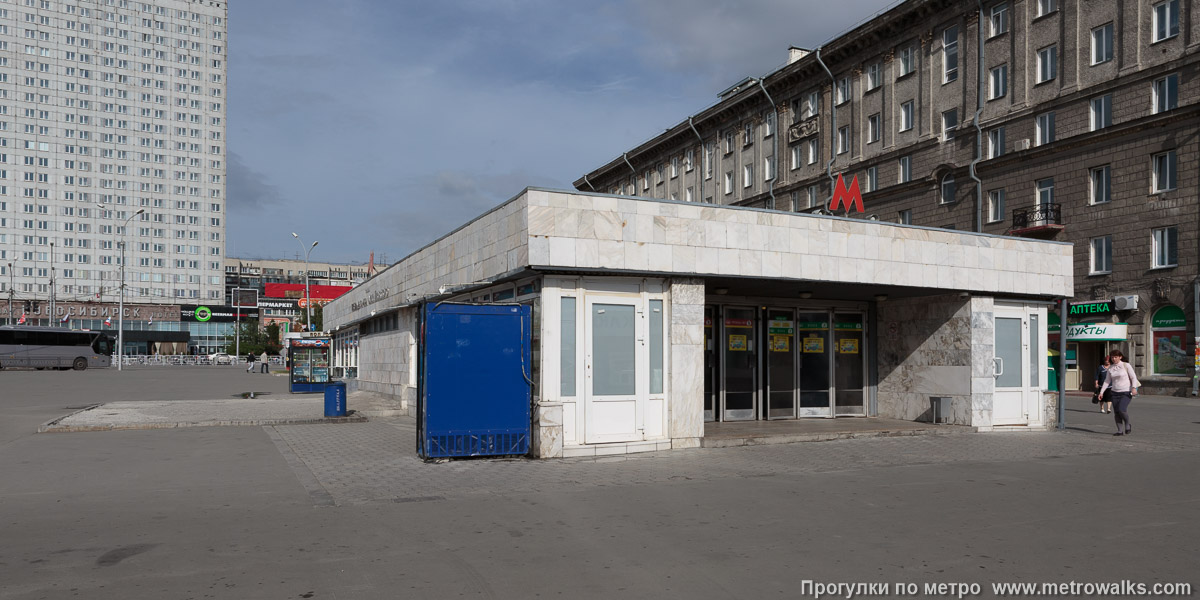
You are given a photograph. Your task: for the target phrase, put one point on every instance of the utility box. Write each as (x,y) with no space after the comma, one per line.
(939,407)
(475,383)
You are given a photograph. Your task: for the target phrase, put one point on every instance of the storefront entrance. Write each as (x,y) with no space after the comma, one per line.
(764,363)
(1018,364)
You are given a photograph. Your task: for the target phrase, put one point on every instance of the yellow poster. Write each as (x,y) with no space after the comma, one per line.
(737,343)
(781,343)
(814,345)
(848,346)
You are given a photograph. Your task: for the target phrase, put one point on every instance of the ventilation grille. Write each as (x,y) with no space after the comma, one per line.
(472,444)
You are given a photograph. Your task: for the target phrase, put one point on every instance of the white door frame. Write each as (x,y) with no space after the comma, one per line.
(598,409)
(1021,405)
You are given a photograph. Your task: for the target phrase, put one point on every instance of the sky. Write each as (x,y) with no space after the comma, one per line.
(382,125)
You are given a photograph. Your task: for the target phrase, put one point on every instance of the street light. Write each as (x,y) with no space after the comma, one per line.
(121,291)
(10,292)
(307,298)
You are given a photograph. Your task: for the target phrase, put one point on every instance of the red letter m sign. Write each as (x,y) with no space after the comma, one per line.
(851,197)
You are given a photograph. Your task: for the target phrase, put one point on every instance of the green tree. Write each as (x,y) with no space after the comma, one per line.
(318,317)
(252,339)
(273,345)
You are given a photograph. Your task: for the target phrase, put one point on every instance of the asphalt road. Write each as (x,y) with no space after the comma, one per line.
(237,512)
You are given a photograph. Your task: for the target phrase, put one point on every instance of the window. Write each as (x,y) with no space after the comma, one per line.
(1163,245)
(906,116)
(812,105)
(998,87)
(797,154)
(728,141)
(1101,255)
(1169,329)
(814,196)
(999,20)
(769,168)
(747,134)
(1102,44)
(1101,112)
(996,142)
(1045,7)
(1166,93)
(872,76)
(747,175)
(1166,20)
(907,61)
(814,151)
(688,195)
(708,160)
(873,125)
(904,167)
(905,217)
(769,125)
(674,167)
(995,206)
(949,122)
(946,195)
(872,179)
(728,182)
(689,160)
(1047,64)
(843,139)
(1045,128)
(843,90)
(1100,191)
(950,54)
(1045,191)
(1164,172)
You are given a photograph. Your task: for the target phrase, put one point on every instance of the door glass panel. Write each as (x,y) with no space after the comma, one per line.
(848,366)
(613,350)
(741,360)
(710,363)
(781,364)
(1035,362)
(1008,350)
(566,358)
(656,346)
(812,334)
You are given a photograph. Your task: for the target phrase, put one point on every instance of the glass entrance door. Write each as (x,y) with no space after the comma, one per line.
(849,364)
(781,364)
(710,364)
(615,398)
(812,336)
(740,373)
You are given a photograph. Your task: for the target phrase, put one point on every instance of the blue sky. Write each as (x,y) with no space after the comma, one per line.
(382,125)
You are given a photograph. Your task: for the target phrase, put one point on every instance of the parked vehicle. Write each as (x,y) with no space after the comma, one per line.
(220,358)
(54,347)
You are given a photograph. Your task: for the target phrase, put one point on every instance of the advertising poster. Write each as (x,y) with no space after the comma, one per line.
(781,343)
(848,346)
(1170,358)
(737,343)
(814,345)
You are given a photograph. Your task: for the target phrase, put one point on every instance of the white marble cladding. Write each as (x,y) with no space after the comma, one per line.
(493,244)
(387,362)
(686,402)
(607,232)
(925,350)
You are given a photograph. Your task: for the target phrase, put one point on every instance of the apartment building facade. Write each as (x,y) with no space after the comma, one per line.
(1053,119)
(112,130)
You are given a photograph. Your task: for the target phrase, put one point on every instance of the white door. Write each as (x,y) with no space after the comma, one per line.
(1016,366)
(616,387)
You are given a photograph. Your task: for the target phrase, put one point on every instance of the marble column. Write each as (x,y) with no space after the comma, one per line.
(686,393)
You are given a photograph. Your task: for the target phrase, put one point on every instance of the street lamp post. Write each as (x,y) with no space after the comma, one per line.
(307,298)
(121,291)
(10,292)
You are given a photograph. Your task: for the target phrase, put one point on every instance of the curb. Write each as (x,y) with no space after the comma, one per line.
(764,440)
(51,428)
(48,425)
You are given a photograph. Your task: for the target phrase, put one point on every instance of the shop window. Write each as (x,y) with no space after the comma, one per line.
(1169,329)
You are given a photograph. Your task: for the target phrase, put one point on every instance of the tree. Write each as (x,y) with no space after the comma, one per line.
(273,345)
(318,317)
(253,340)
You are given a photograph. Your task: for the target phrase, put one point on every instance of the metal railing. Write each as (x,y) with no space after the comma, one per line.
(1042,214)
(188,359)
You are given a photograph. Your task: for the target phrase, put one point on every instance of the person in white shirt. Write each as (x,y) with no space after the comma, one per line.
(1124,383)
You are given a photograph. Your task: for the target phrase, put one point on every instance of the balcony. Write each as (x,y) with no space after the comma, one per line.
(1043,221)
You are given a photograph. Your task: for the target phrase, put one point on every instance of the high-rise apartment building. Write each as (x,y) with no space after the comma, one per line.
(112,129)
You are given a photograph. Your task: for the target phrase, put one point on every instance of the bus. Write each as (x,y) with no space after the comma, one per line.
(54,348)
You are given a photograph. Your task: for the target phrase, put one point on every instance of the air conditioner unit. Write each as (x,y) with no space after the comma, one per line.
(1021,145)
(1125,302)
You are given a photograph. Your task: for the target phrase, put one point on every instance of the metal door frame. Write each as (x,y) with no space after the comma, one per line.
(641,376)
(753,412)
(766,385)
(862,352)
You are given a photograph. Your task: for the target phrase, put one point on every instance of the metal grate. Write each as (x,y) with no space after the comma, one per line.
(488,444)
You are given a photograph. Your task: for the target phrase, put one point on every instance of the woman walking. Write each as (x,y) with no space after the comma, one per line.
(1124,384)
(1099,378)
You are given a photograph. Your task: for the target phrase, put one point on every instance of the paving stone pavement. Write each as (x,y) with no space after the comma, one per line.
(377,462)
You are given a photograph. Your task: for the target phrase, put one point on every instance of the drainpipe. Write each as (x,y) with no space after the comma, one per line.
(700,178)
(978,129)
(625,155)
(775,146)
(1062,363)
(585,180)
(832,128)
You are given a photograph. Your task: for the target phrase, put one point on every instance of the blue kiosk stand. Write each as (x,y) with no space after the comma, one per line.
(309,359)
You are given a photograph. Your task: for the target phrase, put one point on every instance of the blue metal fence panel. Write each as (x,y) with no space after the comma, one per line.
(476,371)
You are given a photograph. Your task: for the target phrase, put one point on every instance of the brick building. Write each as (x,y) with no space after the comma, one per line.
(1056,119)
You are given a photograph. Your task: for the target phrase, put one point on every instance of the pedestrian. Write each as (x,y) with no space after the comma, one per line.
(249,362)
(1124,383)
(262,365)
(1105,401)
